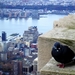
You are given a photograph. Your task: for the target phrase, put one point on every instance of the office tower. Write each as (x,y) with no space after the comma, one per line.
(3,36)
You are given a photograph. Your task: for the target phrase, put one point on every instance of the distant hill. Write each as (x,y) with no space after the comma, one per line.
(49,7)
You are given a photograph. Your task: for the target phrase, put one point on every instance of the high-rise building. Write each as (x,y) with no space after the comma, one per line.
(3,56)
(27,51)
(0,72)
(31,34)
(3,36)
(20,68)
(35,65)
(15,67)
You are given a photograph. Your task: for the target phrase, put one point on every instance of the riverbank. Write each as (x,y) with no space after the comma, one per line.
(34,14)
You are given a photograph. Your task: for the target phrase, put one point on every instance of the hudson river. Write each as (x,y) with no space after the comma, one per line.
(44,24)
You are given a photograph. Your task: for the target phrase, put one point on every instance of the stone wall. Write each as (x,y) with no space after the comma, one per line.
(63,32)
(66,22)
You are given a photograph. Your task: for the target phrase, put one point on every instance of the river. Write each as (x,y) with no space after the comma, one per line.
(44,24)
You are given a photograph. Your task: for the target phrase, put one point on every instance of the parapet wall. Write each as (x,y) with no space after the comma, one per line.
(63,32)
(65,22)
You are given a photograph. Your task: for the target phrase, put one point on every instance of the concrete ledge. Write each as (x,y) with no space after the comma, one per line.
(46,41)
(51,69)
(63,31)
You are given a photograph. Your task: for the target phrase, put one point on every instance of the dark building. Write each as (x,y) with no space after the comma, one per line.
(28,63)
(3,36)
(20,68)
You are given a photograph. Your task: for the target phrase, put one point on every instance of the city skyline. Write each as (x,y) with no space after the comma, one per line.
(39,2)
